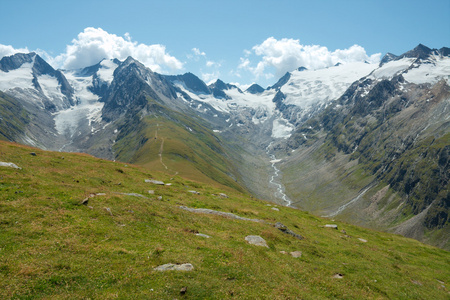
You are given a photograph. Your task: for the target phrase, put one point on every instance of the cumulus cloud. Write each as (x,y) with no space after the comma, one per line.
(95,44)
(210,77)
(7,50)
(288,54)
(198,52)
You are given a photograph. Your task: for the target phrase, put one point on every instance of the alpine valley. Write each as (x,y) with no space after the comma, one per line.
(368,144)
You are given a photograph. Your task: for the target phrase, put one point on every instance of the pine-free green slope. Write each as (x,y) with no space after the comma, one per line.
(54,247)
(13,118)
(175,143)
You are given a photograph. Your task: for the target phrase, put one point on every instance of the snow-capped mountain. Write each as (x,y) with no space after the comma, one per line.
(123,110)
(30,78)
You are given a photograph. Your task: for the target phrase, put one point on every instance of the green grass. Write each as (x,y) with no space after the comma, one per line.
(188,148)
(53,247)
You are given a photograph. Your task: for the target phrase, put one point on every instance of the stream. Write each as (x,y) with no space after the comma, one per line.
(274,179)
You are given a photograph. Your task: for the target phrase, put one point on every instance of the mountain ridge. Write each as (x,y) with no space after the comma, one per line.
(112,109)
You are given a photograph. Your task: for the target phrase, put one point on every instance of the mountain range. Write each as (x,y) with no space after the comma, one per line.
(365,143)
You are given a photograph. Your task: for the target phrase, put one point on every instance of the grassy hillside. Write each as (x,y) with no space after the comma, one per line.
(54,247)
(386,153)
(13,118)
(174,143)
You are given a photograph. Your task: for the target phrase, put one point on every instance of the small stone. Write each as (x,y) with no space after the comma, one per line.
(168,184)
(9,164)
(152,192)
(174,267)
(334,226)
(203,235)
(362,240)
(343,231)
(183,290)
(256,240)
(223,195)
(194,192)
(33,153)
(275,208)
(338,275)
(159,197)
(283,252)
(296,254)
(100,194)
(85,201)
(157,182)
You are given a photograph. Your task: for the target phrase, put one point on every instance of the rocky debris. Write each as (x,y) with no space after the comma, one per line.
(9,164)
(133,194)
(334,226)
(256,240)
(183,290)
(109,210)
(296,254)
(286,230)
(222,195)
(194,192)
(275,208)
(219,213)
(203,235)
(174,267)
(362,240)
(157,182)
(338,276)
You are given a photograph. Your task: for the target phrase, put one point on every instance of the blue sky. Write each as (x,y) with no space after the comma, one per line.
(237,41)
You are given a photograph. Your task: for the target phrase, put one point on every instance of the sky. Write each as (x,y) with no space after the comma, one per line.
(240,42)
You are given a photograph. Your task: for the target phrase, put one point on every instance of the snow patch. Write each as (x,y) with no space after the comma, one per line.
(106,72)
(281,128)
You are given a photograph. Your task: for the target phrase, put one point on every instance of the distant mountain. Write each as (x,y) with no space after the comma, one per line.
(255,89)
(367,143)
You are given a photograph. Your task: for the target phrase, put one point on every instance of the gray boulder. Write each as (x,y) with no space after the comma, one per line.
(256,240)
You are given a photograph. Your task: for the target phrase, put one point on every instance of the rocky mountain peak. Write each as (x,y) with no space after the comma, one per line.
(255,89)
(420,52)
(387,58)
(13,62)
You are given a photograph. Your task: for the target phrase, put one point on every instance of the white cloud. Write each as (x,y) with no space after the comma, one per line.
(7,50)
(95,44)
(210,77)
(198,52)
(286,55)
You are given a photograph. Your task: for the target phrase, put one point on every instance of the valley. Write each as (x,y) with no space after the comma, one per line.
(360,142)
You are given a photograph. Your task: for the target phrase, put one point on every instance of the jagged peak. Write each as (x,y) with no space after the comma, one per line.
(255,89)
(420,51)
(15,61)
(282,81)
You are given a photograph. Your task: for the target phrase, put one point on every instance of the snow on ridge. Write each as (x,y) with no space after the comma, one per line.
(432,72)
(106,72)
(392,68)
(87,108)
(307,88)
(21,78)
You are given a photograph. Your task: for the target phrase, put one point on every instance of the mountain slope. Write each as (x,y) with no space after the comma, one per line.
(74,226)
(363,142)
(379,154)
